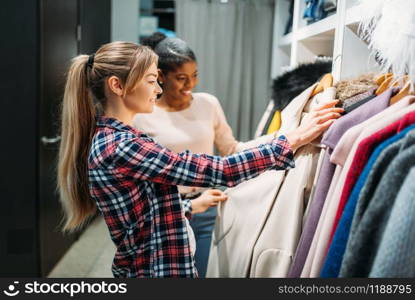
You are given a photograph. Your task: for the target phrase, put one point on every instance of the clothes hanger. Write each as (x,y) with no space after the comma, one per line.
(384,86)
(399,81)
(325,82)
(406,90)
(381,78)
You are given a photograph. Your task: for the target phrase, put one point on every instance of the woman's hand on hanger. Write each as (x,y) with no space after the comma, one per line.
(314,125)
(208,199)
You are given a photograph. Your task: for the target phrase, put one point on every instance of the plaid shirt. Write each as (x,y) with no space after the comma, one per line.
(133,181)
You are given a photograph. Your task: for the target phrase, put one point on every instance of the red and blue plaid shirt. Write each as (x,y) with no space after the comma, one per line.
(134,183)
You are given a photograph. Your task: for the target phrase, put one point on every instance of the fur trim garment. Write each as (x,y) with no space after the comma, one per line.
(292,83)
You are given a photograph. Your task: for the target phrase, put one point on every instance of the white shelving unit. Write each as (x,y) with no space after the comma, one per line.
(334,36)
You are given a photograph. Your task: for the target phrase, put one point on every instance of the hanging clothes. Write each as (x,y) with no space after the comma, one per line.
(275,123)
(320,241)
(364,243)
(274,249)
(395,257)
(330,140)
(362,85)
(341,153)
(290,84)
(361,157)
(241,218)
(368,143)
(347,89)
(358,98)
(262,124)
(351,107)
(335,255)
(347,146)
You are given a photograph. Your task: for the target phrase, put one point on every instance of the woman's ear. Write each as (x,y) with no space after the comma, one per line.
(161,77)
(115,85)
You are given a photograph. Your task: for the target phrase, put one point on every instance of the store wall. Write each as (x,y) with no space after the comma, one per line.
(42,37)
(124,20)
(19,87)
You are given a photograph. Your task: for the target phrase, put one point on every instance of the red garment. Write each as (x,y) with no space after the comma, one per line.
(364,150)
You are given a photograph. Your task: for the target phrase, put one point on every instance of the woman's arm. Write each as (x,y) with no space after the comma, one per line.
(145,160)
(318,121)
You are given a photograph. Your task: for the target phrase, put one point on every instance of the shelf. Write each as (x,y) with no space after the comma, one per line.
(335,36)
(286,40)
(323,29)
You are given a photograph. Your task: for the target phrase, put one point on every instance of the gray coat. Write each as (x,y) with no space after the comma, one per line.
(396,254)
(372,213)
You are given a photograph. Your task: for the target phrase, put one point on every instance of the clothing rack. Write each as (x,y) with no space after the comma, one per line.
(326,247)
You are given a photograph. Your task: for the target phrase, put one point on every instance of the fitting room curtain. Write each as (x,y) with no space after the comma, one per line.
(232,42)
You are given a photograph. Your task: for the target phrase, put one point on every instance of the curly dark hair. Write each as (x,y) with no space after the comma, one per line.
(172,52)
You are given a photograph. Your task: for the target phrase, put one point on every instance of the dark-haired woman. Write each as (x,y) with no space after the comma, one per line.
(183,120)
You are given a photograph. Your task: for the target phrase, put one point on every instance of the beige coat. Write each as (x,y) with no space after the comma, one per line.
(258,228)
(275,249)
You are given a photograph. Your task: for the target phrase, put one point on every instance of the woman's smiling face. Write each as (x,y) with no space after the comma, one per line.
(178,84)
(143,97)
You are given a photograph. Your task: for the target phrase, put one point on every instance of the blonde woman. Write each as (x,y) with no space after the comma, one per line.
(105,163)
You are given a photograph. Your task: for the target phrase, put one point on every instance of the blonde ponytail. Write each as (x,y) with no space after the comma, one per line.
(84,93)
(78,126)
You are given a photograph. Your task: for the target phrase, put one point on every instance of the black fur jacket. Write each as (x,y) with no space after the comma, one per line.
(292,83)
